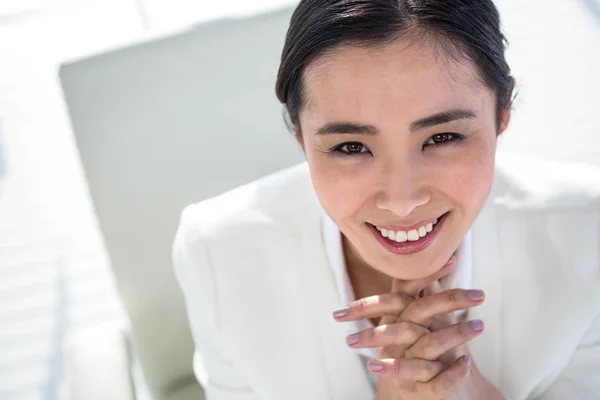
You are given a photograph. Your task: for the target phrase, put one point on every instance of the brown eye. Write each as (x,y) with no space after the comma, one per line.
(442,138)
(352,148)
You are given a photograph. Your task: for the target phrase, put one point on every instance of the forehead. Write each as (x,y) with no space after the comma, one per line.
(397,80)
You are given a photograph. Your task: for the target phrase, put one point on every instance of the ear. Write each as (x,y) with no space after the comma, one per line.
(298,137)
(505,114)
(504,120)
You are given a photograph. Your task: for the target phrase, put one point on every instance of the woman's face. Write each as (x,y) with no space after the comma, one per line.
(396,137)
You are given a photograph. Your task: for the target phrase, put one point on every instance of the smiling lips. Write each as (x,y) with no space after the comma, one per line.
(411,241)
(410,235)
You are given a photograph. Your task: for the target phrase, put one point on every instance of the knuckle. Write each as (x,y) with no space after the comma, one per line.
(421,345)
(454,296)
(397,302)
(409,331)
(388,299)
(436,368)
(368,336)
(431,369)
(386,352)
(462,331)
(417,332)
(414,308)
(410,354)
(431,348)
(389,334)
(361,305)
(388,331)
(397,367)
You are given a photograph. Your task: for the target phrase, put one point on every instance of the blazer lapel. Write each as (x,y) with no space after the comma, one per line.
(346,376)
(487,276)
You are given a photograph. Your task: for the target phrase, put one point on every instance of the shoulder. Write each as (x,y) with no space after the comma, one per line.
(550,205)
(532,184)
(231,229)
(545,223)
(280,203)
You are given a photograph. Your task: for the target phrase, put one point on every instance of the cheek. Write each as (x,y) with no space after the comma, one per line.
(468,179)
(340,188)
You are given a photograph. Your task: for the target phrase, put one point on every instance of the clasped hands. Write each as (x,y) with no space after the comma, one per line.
(423,349)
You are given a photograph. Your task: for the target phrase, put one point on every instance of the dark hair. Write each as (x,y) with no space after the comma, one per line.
(461,28)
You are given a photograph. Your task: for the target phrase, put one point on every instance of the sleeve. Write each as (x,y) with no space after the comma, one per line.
(581,378)
(193,270)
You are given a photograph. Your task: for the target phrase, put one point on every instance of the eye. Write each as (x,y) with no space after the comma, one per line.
(351,148)
(443,138)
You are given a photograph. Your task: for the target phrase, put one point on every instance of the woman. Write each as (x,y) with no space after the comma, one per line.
(461,275)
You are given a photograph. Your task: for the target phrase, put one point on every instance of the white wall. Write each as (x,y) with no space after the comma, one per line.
(164,124)
(555,55)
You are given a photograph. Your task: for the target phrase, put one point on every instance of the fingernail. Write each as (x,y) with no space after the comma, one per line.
(476,325)
(475,295)
(466,360)
(341,312)
(375,366)
(450,260)
(353,339)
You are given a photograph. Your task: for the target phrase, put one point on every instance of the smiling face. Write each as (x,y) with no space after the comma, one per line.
(396,136)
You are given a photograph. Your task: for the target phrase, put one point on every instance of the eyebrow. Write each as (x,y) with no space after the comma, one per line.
(347,127)
(444,117)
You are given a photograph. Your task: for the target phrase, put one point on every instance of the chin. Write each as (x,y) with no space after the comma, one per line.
(420,268)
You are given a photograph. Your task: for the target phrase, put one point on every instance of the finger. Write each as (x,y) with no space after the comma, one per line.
(448,381)
(413,288)
(413,370)
(391,317)
(403,334)
(389,304)
(441,321)
(434,345)
(423,310)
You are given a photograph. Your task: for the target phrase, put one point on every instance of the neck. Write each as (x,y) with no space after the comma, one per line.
(366,280)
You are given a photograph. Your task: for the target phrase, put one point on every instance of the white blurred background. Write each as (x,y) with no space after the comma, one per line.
(116,113)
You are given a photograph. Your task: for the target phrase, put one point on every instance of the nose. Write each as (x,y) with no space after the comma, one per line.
(402,190)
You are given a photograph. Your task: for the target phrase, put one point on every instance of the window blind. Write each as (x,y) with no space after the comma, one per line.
(54,273)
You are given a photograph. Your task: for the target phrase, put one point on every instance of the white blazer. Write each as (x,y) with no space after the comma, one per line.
(259,292)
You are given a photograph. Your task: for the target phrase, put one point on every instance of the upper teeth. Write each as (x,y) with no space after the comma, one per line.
(412,235)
